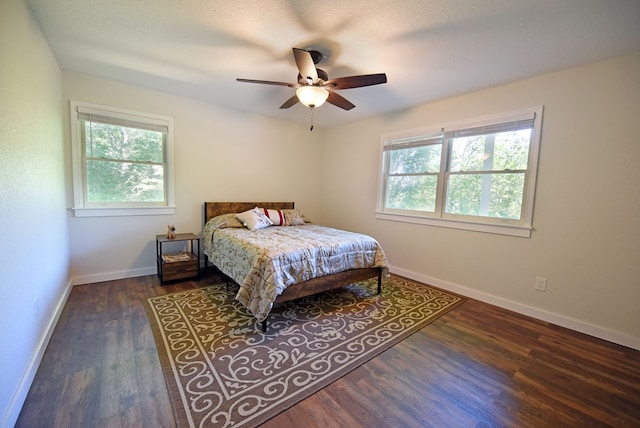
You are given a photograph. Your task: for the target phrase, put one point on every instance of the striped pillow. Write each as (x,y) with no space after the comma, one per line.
(276,216)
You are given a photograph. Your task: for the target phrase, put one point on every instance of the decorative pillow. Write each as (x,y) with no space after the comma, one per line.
(276,216)
(254,219)
(294,218)
(225,220)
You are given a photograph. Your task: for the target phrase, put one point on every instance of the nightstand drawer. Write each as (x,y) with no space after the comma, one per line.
(179,270)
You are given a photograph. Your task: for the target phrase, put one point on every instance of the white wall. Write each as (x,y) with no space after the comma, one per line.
(34,255)
(220,154)
(587,210)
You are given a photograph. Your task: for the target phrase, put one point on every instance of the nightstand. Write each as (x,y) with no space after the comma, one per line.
(182,265)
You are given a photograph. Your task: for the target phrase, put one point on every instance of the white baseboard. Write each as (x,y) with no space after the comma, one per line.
(557,319)
(110,276)
(121,274)
(561,320)
(13,411)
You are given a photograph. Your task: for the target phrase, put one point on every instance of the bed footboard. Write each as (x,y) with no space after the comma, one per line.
(329,282)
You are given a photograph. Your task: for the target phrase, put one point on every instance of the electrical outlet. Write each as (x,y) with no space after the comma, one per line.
(541,284)
(35,309)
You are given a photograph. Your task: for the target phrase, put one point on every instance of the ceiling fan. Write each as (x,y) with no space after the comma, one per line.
(314,86)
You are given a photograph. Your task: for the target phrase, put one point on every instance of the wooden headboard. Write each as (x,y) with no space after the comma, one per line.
(212,209)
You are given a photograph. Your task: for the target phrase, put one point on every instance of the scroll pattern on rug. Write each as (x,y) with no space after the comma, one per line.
(223,371)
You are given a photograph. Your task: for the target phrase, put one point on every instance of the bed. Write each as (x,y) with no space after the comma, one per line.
(272,267)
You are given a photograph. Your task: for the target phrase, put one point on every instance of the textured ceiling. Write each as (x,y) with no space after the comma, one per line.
(429,49)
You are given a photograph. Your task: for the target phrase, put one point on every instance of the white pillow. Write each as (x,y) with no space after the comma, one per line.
(254,219)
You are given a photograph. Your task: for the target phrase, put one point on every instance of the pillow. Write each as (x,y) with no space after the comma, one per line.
(294,218)
(276,216)
(254,219)
(225,220)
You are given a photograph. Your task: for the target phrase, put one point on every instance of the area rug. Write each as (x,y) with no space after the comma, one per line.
(223,371)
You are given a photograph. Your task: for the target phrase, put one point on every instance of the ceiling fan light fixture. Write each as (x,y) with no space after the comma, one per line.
(312,96)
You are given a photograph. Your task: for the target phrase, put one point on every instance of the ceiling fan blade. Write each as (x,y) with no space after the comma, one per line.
(339,101)
(357,81)
(267,82)
(306,66)
(290,102)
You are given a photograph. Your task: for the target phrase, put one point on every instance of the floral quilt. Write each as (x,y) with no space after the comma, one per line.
(264,262)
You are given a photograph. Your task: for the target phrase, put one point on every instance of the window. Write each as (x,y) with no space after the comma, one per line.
(121,161)
(476,174)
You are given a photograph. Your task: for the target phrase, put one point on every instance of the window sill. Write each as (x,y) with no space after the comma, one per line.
(118,212)
(499,229)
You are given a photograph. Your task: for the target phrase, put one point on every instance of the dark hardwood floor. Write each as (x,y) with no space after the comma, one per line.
(476,366)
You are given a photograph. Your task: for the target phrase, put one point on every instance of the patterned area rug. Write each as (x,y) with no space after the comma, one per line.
(223,371)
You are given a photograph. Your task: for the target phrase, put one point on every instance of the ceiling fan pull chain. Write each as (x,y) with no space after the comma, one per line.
(311,128)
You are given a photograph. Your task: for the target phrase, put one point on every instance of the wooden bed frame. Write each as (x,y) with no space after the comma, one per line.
(301,289)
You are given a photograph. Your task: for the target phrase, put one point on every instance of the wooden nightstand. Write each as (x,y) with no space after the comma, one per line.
(183,265)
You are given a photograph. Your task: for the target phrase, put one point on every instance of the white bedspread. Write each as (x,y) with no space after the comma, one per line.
(264,262)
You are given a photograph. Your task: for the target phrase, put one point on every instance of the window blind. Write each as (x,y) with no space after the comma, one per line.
(491,129)
(108,118)
(419,141)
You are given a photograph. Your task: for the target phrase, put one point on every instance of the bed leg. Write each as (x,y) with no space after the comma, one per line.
(380,282)
(264,326)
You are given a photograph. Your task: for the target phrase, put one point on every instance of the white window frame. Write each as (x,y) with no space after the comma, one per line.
(80,207)
(439,218)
